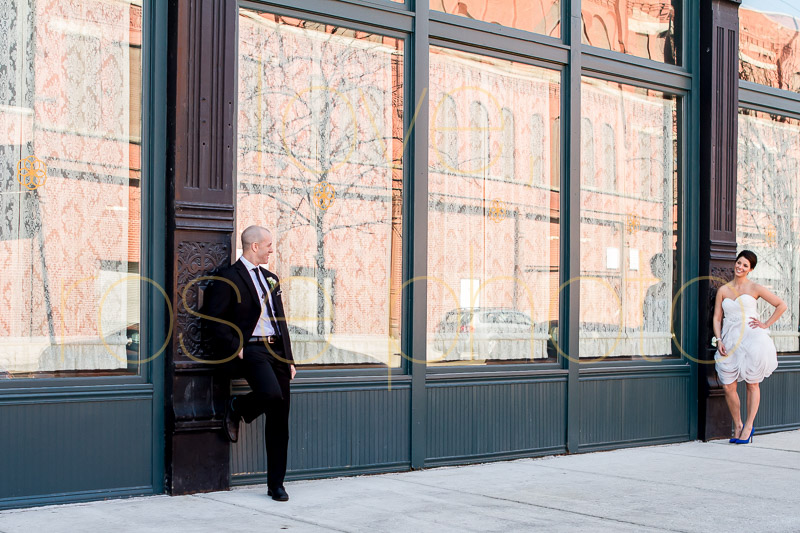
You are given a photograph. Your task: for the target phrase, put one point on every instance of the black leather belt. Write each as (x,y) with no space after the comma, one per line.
(269,339)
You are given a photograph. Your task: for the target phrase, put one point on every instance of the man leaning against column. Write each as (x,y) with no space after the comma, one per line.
(248,296)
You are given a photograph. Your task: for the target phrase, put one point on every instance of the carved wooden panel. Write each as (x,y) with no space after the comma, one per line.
(194,260)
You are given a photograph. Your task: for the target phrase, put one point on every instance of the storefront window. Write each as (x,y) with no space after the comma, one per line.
(769,43)
(539,16)
(70,170)
(628,220)
(320,145)
(647,28)
(768,213)
(493,240)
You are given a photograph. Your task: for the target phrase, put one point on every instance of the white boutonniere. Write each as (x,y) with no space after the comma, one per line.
(272,282)
(714,342)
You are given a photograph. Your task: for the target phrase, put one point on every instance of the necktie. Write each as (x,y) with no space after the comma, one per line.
(264,291)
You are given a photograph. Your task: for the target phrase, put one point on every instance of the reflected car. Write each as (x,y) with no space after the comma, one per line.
(485,333)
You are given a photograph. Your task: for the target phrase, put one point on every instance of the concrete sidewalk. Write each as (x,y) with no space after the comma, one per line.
(692,486)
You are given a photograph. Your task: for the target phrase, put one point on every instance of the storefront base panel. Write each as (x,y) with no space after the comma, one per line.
(69,451)
(780,403)
(332,431)
(634,409)
(75,497)
(489,457)
(321,473)
(484,420)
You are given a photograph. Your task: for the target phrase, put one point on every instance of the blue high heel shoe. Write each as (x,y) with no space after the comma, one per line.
(748,439)
(734,439)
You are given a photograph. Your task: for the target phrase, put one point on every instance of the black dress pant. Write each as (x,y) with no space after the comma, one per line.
(269,379)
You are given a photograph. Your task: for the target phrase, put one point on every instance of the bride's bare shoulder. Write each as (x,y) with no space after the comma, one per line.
(726,291)
(758,289)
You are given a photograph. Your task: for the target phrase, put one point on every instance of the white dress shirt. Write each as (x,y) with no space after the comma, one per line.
(264,326)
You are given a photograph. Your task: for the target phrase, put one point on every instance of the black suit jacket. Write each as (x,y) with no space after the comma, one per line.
(231,309)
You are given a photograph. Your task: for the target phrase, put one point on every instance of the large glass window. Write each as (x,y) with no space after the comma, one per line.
(768,213)
(769,43)
(70,170)
(320,145)
(493,240)
(628,220)
(539,16)
(645,28)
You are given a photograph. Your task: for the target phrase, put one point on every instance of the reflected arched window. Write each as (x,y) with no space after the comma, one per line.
(446,137)
(609,158)
(537,149)
(509,145)
(595,33)
(479,140)
(587,153)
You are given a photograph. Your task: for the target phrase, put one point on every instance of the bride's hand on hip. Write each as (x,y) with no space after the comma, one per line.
(756,323)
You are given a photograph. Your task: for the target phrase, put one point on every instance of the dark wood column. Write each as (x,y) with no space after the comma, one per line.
(202,96)
(719,97)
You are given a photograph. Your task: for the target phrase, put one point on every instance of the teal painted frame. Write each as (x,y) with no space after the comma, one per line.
(417,219)
(154,214)
(682,82)
(690,112)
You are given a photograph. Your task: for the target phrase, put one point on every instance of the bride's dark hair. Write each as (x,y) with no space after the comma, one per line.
(750,256)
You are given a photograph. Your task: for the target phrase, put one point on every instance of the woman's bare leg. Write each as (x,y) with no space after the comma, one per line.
(753,400)
(735,407)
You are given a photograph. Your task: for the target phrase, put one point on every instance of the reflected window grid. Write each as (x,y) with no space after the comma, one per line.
(628,224)
(769,43)
(320,147)
(72,164)
(645,28)
(493,239)
(537,16)
(768,213)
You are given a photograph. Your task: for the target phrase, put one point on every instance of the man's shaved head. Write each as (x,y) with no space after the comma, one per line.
(253,234)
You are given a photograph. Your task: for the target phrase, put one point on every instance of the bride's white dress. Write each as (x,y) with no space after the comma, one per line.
(751,352)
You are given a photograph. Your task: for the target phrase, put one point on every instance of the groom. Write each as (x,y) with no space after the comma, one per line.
(251,331)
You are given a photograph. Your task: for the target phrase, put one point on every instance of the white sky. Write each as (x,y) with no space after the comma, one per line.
(787,7)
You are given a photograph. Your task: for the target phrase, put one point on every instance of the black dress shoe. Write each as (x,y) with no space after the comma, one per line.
(278,494)
(231,422)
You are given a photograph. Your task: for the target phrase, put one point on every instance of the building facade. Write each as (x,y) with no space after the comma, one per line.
(499,225)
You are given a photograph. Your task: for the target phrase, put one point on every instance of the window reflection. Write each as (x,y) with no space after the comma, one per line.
(644,28)
(628,221)
(320,144)
(493,238)
(538,16)
(70,169)
(768,213)
(769,43)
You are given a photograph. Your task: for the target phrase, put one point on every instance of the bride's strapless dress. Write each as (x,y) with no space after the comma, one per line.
(751,352)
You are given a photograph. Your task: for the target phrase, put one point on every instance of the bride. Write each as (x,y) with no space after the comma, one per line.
(745,352)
